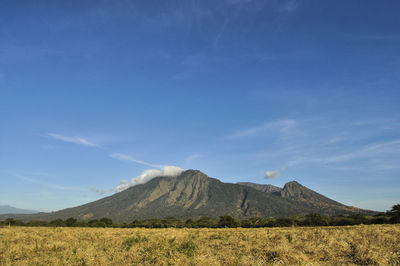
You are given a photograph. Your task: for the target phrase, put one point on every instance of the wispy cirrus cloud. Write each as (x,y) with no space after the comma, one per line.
(193,157)
(32,178)
(75,140)
(280,126)
(380,37)
(128,158)
(369,151)
(360,145)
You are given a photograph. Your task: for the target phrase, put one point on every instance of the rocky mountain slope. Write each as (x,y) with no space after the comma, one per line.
(304,196)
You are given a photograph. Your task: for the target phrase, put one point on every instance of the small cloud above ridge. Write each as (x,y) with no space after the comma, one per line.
(272,174)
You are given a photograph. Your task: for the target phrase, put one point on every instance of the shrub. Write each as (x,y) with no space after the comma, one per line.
(106,221)
(188,248)
(315,219)
(57,223)
(70,222)
(227,221)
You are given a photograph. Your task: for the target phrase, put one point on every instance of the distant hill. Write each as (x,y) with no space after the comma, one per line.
(193,194)
(5,209)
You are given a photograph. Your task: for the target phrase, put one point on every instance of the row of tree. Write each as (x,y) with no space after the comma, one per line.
(313,219)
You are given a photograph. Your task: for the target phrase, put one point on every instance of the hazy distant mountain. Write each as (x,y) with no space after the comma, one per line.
(193,194)
(5,209)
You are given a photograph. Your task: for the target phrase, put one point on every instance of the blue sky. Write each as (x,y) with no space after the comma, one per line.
(93,92)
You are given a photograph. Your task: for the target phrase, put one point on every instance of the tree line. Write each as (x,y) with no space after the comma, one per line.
(312,219)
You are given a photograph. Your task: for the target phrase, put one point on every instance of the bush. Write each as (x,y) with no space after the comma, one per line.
(394,214)
(106,221)
(287,221)
(188,248)
(227,221)
(207,222)
(57,223)
(37,223)
(71,222)
(315,219)
(190,223)
(96,223)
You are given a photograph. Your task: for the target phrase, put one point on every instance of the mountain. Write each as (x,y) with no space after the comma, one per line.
(193,194)
(304,196)
(5,209)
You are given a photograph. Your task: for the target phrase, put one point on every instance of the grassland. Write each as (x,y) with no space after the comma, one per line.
(363,245)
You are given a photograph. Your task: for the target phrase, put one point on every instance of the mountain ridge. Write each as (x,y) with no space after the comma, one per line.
(7,209)
(193,194)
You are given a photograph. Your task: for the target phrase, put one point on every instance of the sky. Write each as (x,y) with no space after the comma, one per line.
(265,91)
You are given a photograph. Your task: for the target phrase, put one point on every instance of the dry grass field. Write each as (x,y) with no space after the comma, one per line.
(362,245)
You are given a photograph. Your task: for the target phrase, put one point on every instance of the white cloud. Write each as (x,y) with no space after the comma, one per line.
(101,191)
(128,158)
(75,140)
(147,175)
(272,174)
(280,126)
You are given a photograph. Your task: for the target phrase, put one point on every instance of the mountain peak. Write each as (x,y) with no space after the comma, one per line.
(295,189)
(192,172)
(293,184)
